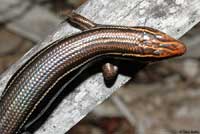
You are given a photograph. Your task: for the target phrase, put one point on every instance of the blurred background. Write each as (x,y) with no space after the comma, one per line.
(164,97)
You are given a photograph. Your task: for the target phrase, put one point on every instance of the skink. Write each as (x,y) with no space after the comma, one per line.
(38,76)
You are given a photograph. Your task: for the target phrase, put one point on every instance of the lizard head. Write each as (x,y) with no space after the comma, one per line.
(158,45)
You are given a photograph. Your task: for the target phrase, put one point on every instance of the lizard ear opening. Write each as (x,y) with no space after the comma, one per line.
(80,22)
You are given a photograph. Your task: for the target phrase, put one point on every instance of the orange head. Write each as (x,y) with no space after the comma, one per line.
(158,45)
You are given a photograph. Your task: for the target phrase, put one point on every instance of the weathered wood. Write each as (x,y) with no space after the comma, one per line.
(193,41)
(174,17)
(27,19)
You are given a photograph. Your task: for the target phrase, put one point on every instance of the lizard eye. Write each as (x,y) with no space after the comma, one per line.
(147,36)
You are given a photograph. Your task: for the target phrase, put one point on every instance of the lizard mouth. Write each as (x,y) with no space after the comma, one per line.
(171,49)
